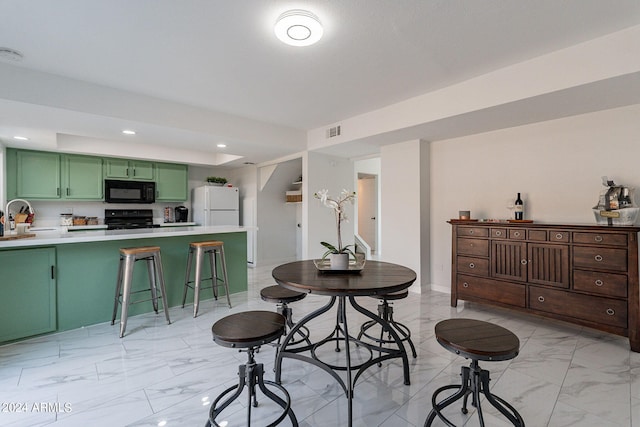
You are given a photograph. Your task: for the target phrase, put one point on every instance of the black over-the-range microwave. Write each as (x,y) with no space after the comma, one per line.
(118,191)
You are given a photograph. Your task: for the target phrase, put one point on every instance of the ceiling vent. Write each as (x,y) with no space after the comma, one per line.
(333,132)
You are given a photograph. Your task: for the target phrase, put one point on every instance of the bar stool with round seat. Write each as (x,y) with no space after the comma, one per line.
(215,250)
(476,340)
(128,257)
(282,296)
(247,331)
(385,311)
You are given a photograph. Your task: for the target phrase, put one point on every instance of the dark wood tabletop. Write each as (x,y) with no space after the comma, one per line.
(376,278)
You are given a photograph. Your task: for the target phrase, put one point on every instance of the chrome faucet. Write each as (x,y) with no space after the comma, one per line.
(7,229)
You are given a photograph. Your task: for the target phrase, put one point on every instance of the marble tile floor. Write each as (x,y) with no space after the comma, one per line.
(167,375)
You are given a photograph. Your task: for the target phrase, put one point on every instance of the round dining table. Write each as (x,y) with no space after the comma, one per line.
(375,278)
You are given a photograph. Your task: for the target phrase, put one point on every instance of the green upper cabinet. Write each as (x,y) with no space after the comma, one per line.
(37,175)
(82,178)
(171,182)
(128,169)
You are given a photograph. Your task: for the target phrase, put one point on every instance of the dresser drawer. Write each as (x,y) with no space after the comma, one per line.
(499,233)
(585,307)
(609,284)
(537,235)
(478,247)
(600,258)
(519,234)
(479,266)
(558,236)
(605,239)
(473,231)
(469,287)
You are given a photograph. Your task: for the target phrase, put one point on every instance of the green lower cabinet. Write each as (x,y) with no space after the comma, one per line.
(27,293)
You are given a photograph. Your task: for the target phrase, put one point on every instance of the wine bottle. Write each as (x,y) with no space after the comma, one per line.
(519,208)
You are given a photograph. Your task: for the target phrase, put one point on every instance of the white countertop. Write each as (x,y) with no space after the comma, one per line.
(59,235)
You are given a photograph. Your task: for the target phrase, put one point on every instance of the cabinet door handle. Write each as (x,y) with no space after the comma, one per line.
(598,238)
(599,282)
(134,171)
(53,272)
(598,258)
(517,234)
(611,311)
(465,285)
(541,298)
(472,265)
(58,191)
(523,261)
(470,231)
(559,236)
(498,233)
(68,192)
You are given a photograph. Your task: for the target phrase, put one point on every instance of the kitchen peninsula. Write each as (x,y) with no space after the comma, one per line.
(61,280)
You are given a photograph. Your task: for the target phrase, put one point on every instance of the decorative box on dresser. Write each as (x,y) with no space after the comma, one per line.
(583,274)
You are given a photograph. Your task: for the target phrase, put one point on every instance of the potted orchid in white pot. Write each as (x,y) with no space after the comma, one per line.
(338,255)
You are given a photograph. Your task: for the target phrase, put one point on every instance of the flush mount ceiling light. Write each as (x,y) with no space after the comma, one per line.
(221,145)
(129,132)
(10,54)
(21,138)
(298,28)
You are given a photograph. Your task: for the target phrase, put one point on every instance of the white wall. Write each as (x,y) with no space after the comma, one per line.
(404,215)
(276,219)
(556,165)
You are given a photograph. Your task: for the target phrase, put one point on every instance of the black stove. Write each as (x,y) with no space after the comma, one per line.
(125,219)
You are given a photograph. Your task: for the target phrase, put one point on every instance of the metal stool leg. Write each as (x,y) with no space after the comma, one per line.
(224,275)
(196,283)
(153,281)
(118,290)
(187,275)
(126,292)
(163,291)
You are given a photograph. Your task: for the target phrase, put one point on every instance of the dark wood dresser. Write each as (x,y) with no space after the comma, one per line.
(583,274)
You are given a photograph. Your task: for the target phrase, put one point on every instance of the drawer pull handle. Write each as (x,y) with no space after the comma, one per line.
(599,282)
(465,285)
(598,258)
(598,239)
(541,298)
(472,265)
(611,311)
(517,234)
(559,236)
(498,233)
(470,231)
(523,261)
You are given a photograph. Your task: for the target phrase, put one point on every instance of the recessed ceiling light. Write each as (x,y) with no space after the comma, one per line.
(129,132)
(298,28)
(221,145)
(21,138)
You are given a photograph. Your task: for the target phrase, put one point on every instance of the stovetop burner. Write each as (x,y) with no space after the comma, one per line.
(124,219)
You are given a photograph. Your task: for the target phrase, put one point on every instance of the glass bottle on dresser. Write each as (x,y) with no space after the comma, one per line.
(519,208)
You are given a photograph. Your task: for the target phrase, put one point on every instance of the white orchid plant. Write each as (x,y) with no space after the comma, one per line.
(337,204)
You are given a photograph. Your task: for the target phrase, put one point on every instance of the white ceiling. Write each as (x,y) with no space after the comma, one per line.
(218,64)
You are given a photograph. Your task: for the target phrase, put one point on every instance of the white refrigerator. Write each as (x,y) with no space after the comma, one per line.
(216,206)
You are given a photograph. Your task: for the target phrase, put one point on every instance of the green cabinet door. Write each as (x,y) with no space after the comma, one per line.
(141,170)
(82,178)
(128,169)
(171,182)
(27,293)
(38,175)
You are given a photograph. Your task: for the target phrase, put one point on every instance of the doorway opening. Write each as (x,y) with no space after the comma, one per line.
(368,210)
